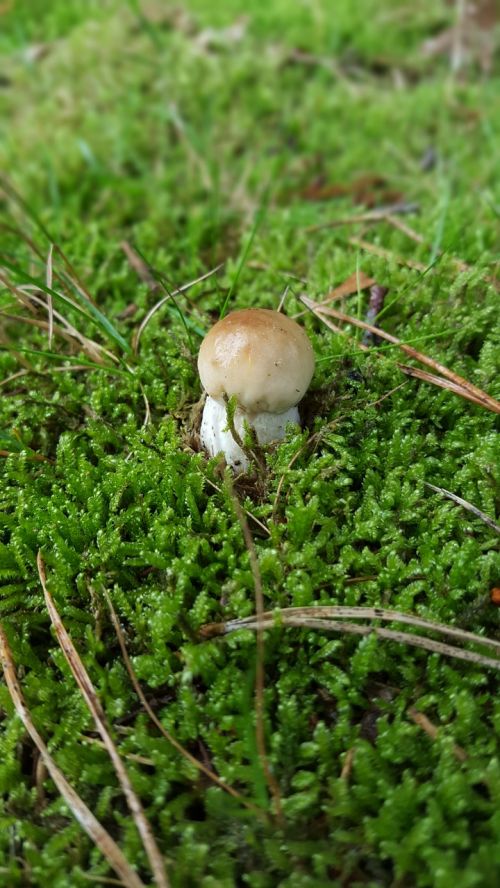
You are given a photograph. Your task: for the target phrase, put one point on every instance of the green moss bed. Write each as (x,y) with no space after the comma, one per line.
(222,133)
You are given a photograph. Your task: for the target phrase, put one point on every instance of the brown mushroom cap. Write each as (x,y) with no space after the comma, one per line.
(262,357)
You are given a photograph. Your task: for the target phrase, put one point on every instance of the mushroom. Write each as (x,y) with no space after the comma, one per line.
(264,360)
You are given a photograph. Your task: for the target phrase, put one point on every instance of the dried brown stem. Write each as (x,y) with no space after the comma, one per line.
(432,731)
(379,215)
(101,838)
(156,721)
(260,674)
(325,619)
(152,311)
(479,395)
(466,505)
(93,703)
(353,284)
(386,254)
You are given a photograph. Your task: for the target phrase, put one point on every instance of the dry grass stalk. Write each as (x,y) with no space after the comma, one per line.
(93,703)
(131,756)
(13,376)
(16,291)
(53,329)
(405,229)
(379,215)
(467,389)
(466,505)
(335,611)
(386,254)
(28,296)
(459,264)
(96,832)
(353,284)
(417,373)
(156,721)
(260,667)
(140,267)
(152,311)
(348,763)
(432,731)
(316,310)
(92,348)
(302,618)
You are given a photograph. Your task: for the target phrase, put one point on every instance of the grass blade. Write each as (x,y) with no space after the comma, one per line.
(169,297)
(92,313)
(259,216)
(52,356)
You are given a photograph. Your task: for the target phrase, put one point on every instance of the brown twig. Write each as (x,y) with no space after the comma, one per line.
(76,805)
(348,763)
(440,381)
(93,703)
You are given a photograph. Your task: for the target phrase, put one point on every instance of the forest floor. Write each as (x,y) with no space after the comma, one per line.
(286,154)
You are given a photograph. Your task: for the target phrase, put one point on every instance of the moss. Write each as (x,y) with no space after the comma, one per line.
(128,129)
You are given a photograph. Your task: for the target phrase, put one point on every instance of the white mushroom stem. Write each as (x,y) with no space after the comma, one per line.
(216,436)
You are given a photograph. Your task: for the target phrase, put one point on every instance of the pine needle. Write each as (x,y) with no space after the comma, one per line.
(325,618)
(466,505)
(459,385)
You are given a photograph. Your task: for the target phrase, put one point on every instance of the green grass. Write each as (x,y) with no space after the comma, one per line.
(130,128)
